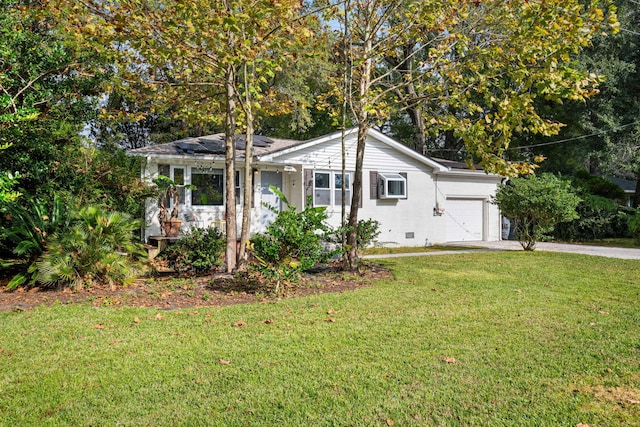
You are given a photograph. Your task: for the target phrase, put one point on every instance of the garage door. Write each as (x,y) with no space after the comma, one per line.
(464,219)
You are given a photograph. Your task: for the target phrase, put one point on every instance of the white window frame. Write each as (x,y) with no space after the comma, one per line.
(187,194)
(172,177)
(332,189)
(384,182)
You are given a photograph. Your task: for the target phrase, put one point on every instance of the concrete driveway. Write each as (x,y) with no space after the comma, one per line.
(510,245)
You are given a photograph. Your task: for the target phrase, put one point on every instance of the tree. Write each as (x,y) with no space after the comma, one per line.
(46,90)
(476,67)
(7,182)
(500,59)
(613,115)
(536,204)
(195,56)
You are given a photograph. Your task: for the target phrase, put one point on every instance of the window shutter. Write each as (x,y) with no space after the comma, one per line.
(253,187)
(308,185)
(373,184)
(406,188)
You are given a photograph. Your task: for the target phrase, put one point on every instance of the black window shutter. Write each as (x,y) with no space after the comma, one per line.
(373,184)
(406,184)
(308,185)
(253,188)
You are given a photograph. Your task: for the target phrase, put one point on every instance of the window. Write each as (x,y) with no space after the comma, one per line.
(392,186)
(327,188)
(176,174)
(209,185)
(338,188)
(239,192)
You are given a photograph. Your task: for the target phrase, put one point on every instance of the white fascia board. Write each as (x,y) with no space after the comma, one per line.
(470,173)
(167,157)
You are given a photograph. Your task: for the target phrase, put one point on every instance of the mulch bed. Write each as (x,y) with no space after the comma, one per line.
(169,291)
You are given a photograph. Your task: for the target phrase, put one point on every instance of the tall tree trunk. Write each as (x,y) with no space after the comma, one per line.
(363,129)
(420,139)
(352,237)
(415,112)
(405,67)
(229,166)
(248,172)
(346,90)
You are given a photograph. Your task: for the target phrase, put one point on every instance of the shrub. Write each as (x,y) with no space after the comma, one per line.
(634,226)
(198,251)
(292,243)
(536,203)
(368,231)
(98,247)
(598,186)
(598,218)
(27,231)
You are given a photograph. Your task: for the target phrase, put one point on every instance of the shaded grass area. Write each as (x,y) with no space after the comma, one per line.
(618,242)
(509,338)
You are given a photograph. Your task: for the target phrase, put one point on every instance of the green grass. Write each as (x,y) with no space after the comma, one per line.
(618,242)
(413,250)
(539,339)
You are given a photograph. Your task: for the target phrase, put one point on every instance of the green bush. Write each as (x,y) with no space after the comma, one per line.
(98,247)
(198,251)
(27,231)
(368,231)
(537,204)
(634,226)
(598,218)
(292,243)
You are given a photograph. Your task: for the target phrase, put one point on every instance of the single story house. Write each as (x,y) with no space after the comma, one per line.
(417,200)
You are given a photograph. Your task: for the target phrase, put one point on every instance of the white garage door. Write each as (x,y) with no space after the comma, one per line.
(464,219)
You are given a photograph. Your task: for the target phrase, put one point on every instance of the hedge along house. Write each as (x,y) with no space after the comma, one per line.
(417,200)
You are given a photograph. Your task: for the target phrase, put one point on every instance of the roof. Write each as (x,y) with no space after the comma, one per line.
(213,145)
(452,164)
(628,185)
(268,149)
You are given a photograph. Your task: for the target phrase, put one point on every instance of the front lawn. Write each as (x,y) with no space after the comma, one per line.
(509,338)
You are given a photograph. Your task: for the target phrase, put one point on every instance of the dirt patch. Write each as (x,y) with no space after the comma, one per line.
(172,292)
(622,396)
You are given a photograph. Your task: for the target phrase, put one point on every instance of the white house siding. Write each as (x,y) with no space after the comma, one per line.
(404,222)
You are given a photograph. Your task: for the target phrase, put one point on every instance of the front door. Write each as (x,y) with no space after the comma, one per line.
(267,179)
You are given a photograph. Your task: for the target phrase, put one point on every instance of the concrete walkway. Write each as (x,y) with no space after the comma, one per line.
(510,245)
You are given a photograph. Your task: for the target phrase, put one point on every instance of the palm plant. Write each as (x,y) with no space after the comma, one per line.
(28,231)
(99,246)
